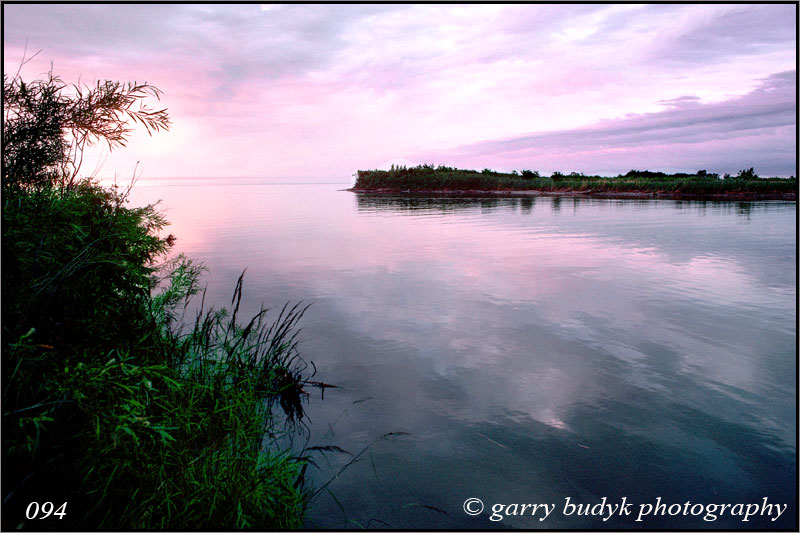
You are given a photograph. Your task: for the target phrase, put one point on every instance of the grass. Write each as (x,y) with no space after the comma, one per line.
(430,178)
(115,402)
(118,410)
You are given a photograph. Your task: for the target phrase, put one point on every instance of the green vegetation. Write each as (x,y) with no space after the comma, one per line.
(113,401)
(429,178)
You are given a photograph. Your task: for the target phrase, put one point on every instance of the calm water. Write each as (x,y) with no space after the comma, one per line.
(534,350)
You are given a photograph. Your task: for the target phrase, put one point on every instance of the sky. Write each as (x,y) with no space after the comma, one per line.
(312,93)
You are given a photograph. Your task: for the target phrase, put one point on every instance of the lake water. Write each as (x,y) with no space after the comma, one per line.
(533,350)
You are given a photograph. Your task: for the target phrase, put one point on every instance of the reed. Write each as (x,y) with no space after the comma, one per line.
(116,403)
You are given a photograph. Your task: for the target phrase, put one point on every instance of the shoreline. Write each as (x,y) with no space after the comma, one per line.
(509,193)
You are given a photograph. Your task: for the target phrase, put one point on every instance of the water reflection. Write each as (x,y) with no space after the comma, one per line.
(744,209)
(421,205)
(426,204)
(635,348)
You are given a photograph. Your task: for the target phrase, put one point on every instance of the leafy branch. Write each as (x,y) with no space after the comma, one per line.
(48,125)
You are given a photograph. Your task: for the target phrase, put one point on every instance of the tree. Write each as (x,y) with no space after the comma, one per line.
(747,174)
(48,124)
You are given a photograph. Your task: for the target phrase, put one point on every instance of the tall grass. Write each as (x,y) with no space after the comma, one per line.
(118,409)
(427,177)
(114,402)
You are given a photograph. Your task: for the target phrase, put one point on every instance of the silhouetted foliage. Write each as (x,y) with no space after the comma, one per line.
(747,174)
(424,178)
(48,124)
(109,402)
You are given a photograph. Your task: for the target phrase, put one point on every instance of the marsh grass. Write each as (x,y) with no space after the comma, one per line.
(118,405)
(428,177)
(113,401)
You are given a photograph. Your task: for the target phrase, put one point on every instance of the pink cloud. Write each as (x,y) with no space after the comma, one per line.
(316,92)
(724,136)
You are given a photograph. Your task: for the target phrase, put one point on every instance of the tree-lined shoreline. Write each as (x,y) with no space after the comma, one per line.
(443,180)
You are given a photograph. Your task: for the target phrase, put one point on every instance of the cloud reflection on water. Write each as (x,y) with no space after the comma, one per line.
(597,322)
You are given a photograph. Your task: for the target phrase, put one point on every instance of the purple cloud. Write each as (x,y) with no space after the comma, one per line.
(298,91)
(721,135)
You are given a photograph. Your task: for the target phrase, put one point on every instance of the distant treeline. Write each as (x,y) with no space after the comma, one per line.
(444,178)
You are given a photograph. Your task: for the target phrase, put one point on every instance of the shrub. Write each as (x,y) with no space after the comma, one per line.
(747,174)
(45,130)
(110,403)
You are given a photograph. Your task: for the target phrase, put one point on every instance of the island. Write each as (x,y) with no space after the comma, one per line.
(444,180)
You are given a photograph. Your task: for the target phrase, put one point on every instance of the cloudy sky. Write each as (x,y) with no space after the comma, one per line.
(316,92)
